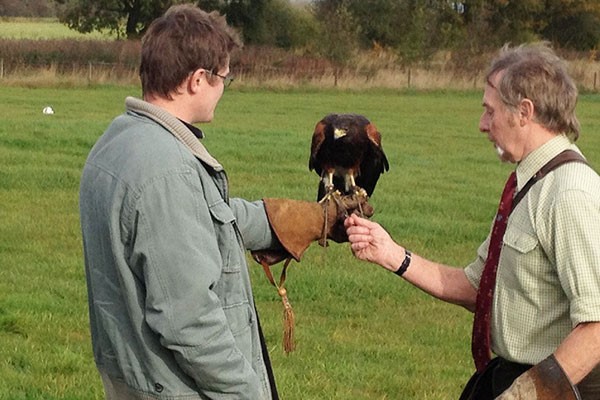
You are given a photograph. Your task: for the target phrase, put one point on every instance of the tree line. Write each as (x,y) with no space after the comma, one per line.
(414,30)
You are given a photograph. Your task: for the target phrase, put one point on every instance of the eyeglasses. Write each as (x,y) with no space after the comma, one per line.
(227,79)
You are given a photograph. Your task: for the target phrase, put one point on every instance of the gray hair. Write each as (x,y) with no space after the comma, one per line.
(535,72)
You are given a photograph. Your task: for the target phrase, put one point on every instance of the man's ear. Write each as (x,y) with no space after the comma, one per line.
(526,111)
(195,80)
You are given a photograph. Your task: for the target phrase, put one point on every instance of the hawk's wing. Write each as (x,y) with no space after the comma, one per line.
(374,161)
(375,138)
(317,140)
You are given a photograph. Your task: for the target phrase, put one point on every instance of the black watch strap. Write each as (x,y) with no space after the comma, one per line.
(405,263)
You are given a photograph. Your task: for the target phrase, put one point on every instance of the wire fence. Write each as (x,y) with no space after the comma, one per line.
(90,70)
(440,76)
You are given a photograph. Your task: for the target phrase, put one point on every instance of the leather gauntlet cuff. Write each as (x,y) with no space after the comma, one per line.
(544,381)
(295,223)
(551,382)
(270,257)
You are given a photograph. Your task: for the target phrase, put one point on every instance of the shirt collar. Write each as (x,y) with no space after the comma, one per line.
(196,131)
(535,160)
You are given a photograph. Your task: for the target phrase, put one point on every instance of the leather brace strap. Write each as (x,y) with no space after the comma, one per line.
(562,158)
(288,313)
(269,274)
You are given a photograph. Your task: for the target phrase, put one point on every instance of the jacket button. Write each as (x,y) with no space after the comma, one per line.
(158,387)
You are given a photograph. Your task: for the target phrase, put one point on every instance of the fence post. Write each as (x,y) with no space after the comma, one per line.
(90,71)
(1,68)
(409,76)
(595,79)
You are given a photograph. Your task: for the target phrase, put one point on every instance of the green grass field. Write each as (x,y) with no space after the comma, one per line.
(43,29)
(362,333)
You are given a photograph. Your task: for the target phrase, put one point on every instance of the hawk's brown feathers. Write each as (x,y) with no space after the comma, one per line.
(346,151)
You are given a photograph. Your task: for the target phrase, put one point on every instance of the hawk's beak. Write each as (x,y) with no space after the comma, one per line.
(338,133)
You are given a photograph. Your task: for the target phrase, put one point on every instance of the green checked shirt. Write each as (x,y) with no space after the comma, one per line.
(548,278)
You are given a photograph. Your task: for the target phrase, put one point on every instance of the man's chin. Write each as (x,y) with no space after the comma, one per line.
(501,154)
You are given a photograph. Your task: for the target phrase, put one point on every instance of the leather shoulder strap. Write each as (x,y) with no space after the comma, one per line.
(562,158)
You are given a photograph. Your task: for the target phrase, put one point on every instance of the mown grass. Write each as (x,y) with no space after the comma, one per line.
(44,28)
(361,332)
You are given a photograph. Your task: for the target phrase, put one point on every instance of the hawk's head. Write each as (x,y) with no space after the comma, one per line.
(339,132)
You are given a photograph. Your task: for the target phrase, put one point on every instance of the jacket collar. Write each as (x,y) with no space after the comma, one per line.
(176,127)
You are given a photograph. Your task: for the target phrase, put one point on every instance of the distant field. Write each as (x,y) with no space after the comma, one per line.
(42,28)
(362,333)
(363,73)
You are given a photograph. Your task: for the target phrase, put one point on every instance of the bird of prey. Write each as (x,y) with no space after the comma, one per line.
(346,153)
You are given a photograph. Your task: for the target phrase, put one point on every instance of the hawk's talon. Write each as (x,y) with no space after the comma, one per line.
(357,194)
(330,192)
(358,191)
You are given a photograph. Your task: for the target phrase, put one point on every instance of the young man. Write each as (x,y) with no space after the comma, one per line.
(170,302)
(535,282)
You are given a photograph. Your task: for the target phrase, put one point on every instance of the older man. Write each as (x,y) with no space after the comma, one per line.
(535,282)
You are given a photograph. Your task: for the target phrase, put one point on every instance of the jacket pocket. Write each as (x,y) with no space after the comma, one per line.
(221,212)
(240,320)
(224,223)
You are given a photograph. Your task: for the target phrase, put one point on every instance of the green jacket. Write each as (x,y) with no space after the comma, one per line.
(170,303)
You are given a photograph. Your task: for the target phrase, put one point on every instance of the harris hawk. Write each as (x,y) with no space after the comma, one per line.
(346,153)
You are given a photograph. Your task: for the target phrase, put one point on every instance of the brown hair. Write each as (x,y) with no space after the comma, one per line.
(535,72)
(180,42)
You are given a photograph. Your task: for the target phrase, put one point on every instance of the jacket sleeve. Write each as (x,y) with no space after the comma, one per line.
(252,221)
(177,245)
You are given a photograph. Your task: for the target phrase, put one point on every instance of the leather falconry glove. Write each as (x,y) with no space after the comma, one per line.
(298,223)
(544,381)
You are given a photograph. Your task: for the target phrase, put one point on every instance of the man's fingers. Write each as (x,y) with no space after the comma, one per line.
(359,245)
(359,237)
(358,230)
(348,222)
(355,220)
